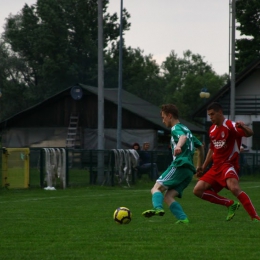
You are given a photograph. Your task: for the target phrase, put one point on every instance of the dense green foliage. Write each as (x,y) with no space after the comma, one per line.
(12,70)
(58,41)
(141,74)
(184,79)
(52,45)
(78,224)
(248,47)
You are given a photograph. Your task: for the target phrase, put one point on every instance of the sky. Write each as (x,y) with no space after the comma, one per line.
(161,26)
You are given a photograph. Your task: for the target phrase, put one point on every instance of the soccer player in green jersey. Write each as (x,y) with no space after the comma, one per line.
(179,174)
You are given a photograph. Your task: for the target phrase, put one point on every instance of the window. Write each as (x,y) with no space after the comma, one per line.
(256,136)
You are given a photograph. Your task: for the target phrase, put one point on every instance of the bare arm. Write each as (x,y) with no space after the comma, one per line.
(200,156)
(181,142)
(208,160)
(248,131)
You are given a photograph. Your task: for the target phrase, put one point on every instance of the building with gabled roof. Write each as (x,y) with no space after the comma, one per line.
(247,103)
(47,124)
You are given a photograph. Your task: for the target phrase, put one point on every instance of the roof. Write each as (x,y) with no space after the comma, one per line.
(139,107)
(130,102)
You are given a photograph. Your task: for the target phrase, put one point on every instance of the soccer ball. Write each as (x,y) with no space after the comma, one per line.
(122,215)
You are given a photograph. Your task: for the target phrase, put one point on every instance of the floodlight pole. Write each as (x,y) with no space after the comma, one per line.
(233,69)
(204,94)
(100,78)
(100,173)
(119,107)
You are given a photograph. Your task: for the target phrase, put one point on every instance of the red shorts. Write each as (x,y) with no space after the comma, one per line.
(217,176)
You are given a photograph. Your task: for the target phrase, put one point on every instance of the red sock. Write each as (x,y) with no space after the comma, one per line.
(247,204)
(213,197)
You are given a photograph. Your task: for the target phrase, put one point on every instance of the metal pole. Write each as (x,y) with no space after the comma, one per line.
(119,108)
(233,70)
(100,78)
(204,94)
(100,93)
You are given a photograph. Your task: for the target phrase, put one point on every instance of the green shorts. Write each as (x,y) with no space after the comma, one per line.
(176,178)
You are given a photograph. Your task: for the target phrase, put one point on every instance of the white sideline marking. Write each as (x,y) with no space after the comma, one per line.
(251,187)
(71,197)
(89,195)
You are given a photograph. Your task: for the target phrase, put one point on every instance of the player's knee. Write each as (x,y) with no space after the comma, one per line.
(235,190)
(234,187)
(197,191)
(200,187)
(155,188)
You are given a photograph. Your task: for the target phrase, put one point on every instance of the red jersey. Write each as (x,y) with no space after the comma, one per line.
(225,141)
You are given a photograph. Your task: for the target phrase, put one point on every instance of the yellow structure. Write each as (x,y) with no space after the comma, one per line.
(15,167)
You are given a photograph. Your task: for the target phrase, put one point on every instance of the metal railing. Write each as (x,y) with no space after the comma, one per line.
(83,169)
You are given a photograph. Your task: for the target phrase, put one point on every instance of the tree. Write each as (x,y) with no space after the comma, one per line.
(58,41)
(141,74)
(247,48)
(185,77)
(13,72)
(54,44)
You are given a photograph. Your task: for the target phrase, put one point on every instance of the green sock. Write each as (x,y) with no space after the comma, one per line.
(157,200)
(177,210)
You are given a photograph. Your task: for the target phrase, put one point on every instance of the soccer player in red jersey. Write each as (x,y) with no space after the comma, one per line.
(225,141)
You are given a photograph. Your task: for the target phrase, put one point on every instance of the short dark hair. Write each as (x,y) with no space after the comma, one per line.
(136,144)
(170,109)
(215,106)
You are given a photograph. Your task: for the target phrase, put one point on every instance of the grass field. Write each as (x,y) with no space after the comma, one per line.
(77,223)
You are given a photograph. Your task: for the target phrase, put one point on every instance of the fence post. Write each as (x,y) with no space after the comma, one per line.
(91,177)
(67,167)
(42,168)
